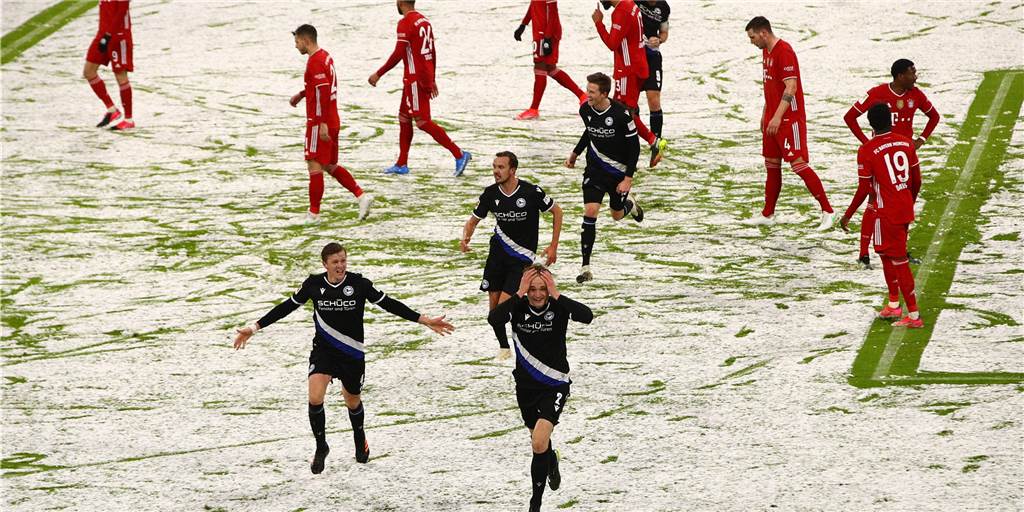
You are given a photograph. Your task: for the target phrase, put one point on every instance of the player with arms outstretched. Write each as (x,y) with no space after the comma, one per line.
(542,15)
(415,47)
(517,205)
(888,167)
(112,45)
(339,301)
(323,125)
(540,316)
(627,43)
(783,123)
(904,99)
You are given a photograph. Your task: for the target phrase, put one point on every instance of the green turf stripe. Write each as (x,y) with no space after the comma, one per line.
(41,25)
(945,226)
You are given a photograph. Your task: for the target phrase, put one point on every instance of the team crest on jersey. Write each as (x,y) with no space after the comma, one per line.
(899,104)
(322,290)
(348,291)
(549,316)
(521,202)
(910,103)
(608,121)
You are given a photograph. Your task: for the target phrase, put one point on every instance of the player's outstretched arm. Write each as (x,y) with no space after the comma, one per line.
(437,324)
(280,311)
(395,58)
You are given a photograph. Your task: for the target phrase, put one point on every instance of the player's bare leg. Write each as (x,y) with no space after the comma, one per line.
(126,101)
(316,190)
(816,189)
(654,105)
(356,415)
(588,235)
(91,74)
(772,188)
(318,419)
(346,180)
(493,299)
(545,462)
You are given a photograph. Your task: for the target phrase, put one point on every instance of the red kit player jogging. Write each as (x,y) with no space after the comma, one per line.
(626,41)
(112,45)
(547,33)
(904,100)
(783,123)
(888,168)
(322,124)
(415,47)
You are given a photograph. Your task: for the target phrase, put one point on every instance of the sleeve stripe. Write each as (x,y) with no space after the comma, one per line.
(795,77)
(382,297)
(292,298)
(858,108)
(552,205)
(477,216)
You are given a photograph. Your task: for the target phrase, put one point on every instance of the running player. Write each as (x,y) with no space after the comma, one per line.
(887,165)
(612,151)
(322,124)
(516,205)
(783,123)
(626,41)
(415,47)
(112,45)
(547,33)
(339,301)
(904,100)
(540,316)
(654,14)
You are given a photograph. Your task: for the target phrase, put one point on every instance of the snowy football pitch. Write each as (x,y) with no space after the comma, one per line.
(729,367)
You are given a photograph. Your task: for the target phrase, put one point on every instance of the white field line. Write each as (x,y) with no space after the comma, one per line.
(895,341)
(43,27)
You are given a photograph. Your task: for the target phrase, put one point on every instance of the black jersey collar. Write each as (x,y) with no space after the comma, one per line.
(328,281)
(547,305)
(518,185)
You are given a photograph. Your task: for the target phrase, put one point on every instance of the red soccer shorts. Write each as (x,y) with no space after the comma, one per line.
(789,143)
(118,55)
(890,239)
(415,101)
(627,90)
(551,58)
(323,151)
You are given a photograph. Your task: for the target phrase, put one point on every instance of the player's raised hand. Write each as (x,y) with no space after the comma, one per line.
(549,281)
(598,16)
(373,79)
(297,98)
(243,337)
(550,255)
(571,161)
(625,185)
(524,283)
(845,223)
(437,324)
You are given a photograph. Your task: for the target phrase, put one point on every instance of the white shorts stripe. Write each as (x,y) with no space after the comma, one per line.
(796,136)
(415,96)
(124,52)
(313,137)
(878,231)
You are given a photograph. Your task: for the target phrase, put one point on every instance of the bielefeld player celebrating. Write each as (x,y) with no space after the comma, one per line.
(540,316)
(612,151)
(415,47)
(783,123)
(654,14)
(626,41)
(112,45)
(904,100)
(547,33)
(322,124)
(887,165)
(339,301)
(516,205)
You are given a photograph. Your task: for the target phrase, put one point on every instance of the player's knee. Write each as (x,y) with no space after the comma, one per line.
(539,443)
(404,119)
(421,123)
(552,70)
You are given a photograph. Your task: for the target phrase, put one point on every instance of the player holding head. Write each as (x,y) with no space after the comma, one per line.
(887,165)
(516,205)
(112,45)
(626,41)
(783,123)
(415,47)
(612,150)
(654,14)
(339,300)
(540,316)
(904,100)
(547,32)
(322,124)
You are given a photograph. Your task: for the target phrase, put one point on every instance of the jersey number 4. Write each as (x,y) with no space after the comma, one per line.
(427,35)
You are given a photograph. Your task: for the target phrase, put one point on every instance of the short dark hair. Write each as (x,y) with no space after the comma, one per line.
(880,117)
(306,30)
(603,82)
(759,23)
(331,249)
(900,66)
(513,162)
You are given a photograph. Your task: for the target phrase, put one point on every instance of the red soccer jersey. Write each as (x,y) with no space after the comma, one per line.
(114,17)
(626,40)
(903,106)
(420,59)
(321,90)
(890,162)
(779,64)
(543,18)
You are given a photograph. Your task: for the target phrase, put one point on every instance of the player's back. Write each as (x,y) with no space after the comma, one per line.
(891,162)
(322,89)
(114,17)
(419,54)
(544,19)
(631,55)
